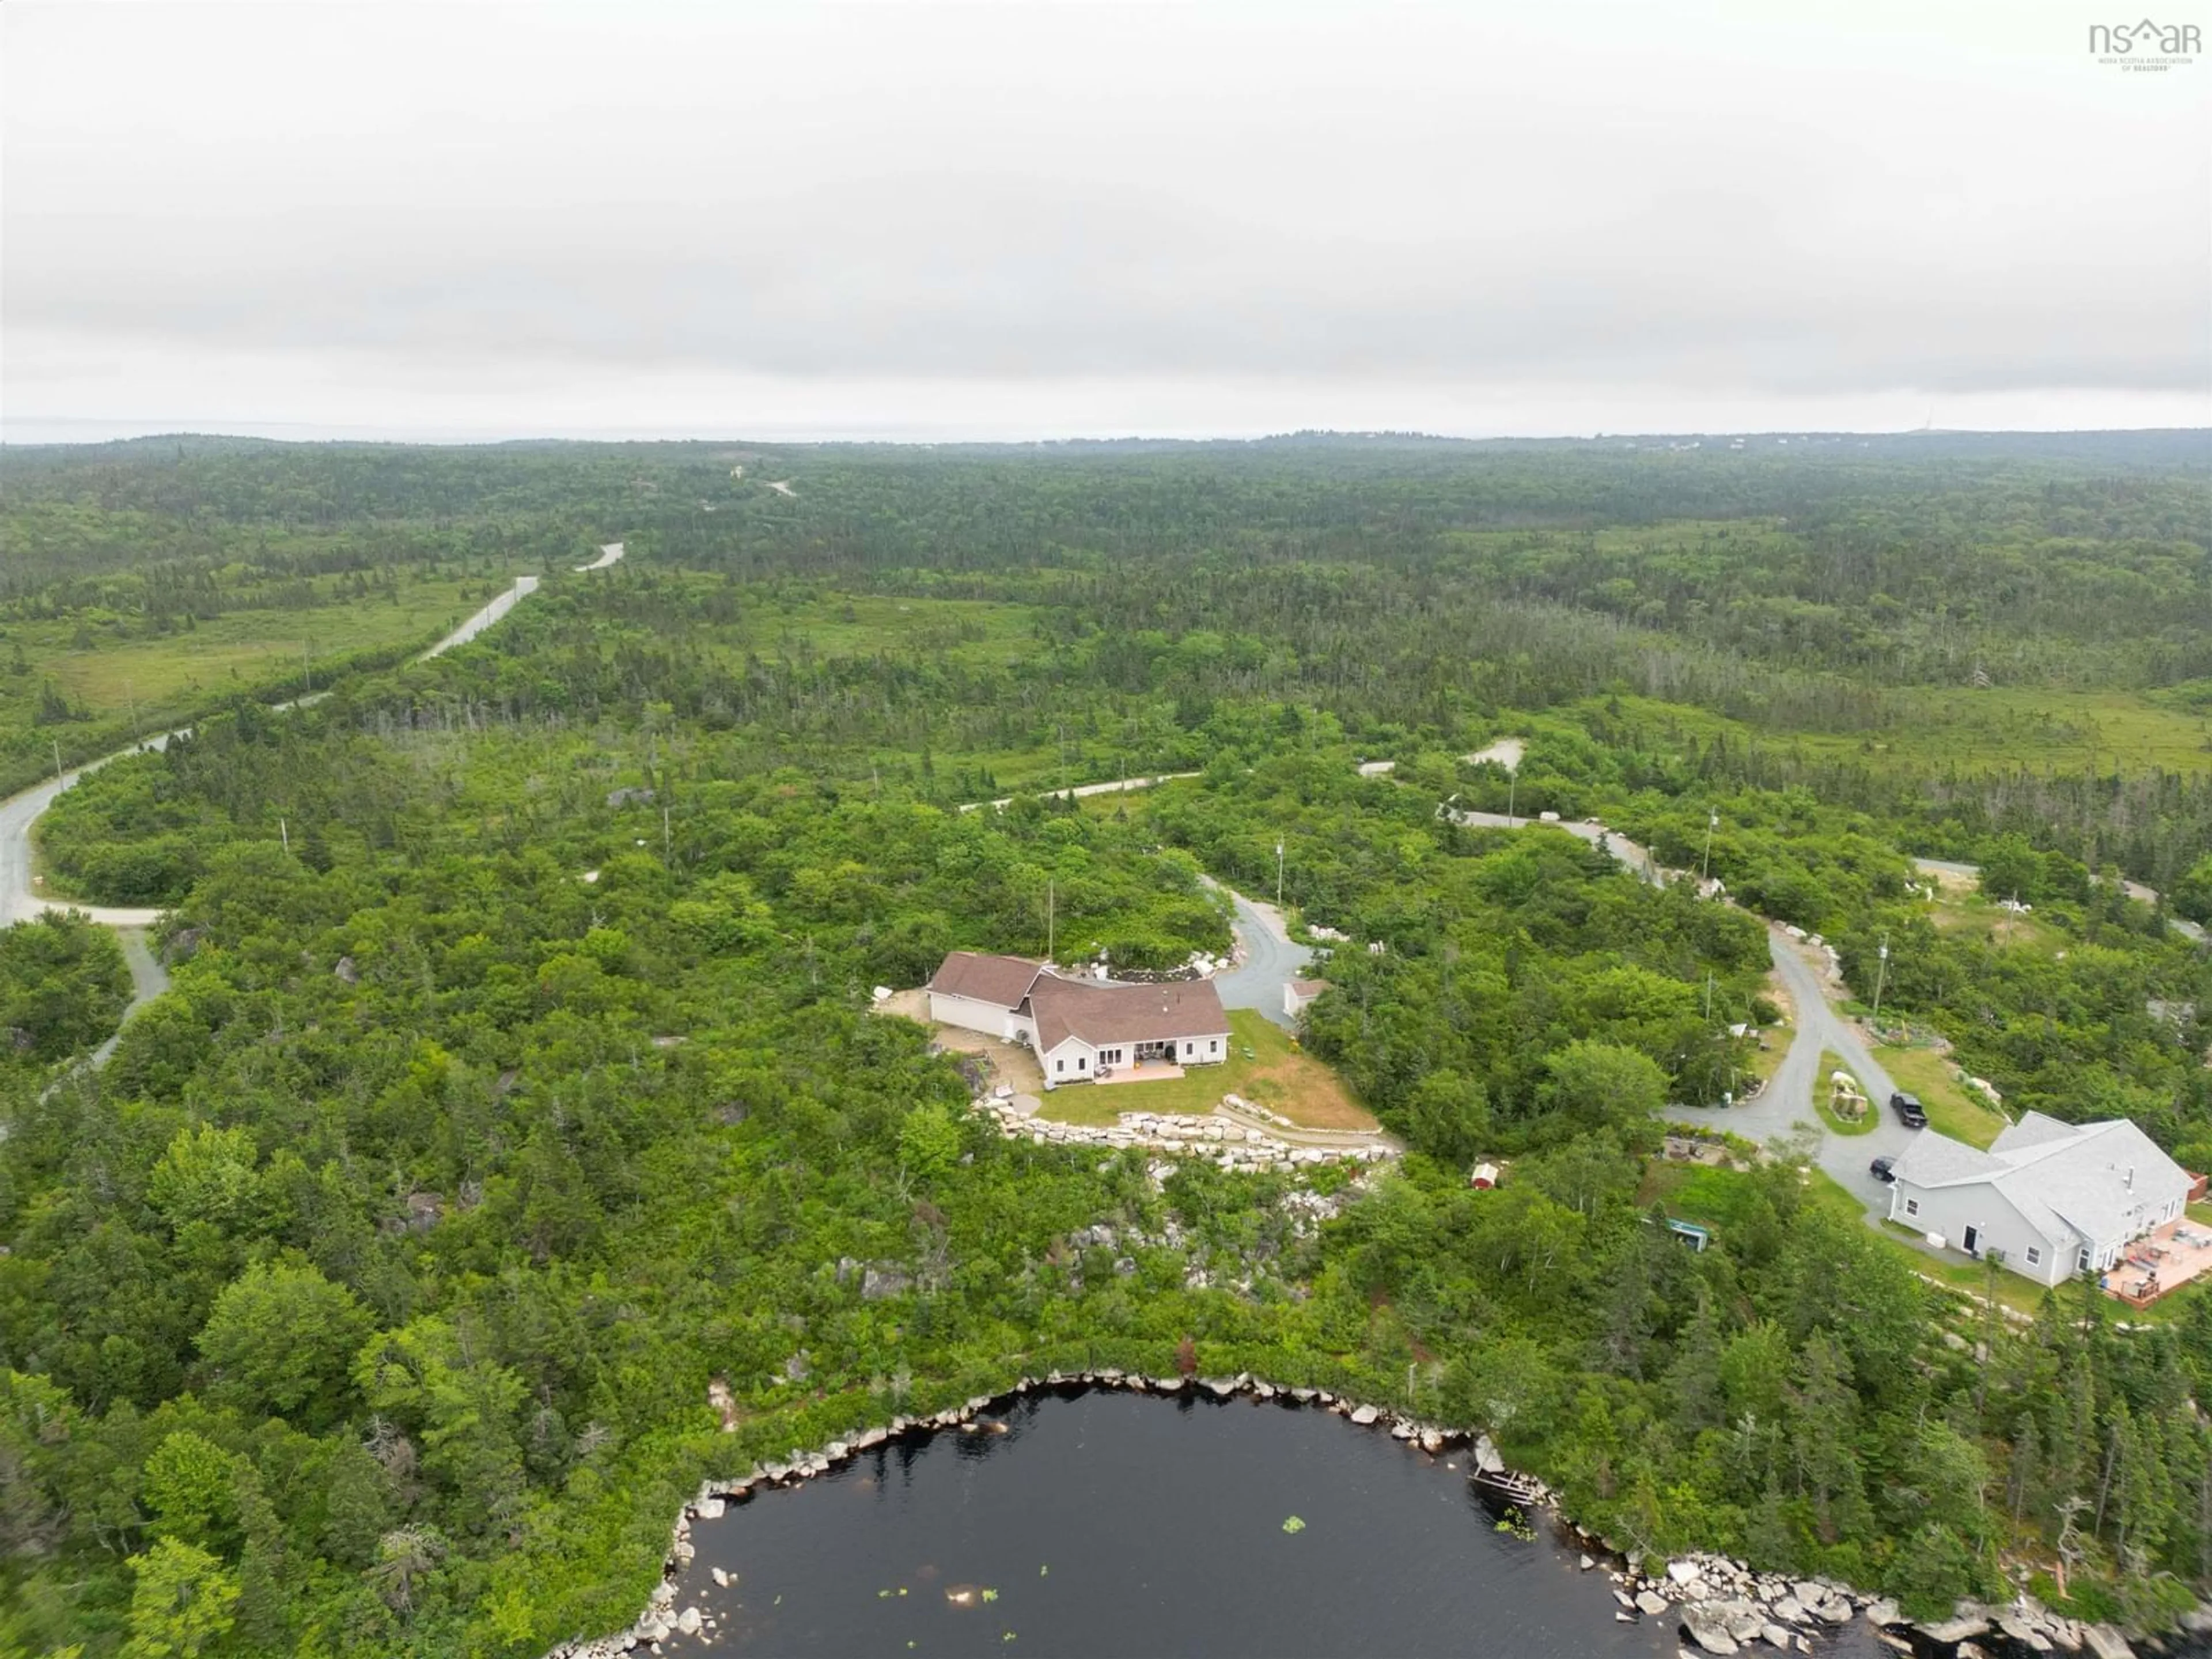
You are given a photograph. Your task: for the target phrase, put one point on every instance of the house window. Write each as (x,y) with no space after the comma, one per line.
(2035,1255)
(1189,1050)
(1214,1046)
(1059,1066)
(1081,1062)
(2085,1261)
(1912,1206)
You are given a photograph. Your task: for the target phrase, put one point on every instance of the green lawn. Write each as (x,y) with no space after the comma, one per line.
(1278,1076)
(1952,1109)
(1831,1063)
(2021,1295)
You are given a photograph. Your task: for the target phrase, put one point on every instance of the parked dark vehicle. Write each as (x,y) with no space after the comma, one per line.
(1910,1112)
(1884,1169)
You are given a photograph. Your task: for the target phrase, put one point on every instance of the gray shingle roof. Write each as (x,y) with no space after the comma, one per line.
(1930,1159)
(2105,1181)
(2034,1129)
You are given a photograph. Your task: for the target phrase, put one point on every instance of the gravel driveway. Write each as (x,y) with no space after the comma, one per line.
(1271,960)
(1787,1100)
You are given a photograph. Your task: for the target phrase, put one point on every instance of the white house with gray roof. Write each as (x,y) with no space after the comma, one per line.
(2058,1199)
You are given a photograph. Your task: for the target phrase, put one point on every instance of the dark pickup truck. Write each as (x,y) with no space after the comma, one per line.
(1910,1112)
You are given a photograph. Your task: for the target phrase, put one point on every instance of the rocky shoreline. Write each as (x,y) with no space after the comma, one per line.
(1229,1145)
(1722,1607)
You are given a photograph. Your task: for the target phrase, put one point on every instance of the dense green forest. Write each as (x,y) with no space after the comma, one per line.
(515,1080)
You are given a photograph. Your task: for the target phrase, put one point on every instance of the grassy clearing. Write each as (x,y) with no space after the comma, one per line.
(1716,1198)
(1277,1076)
(1994,730)
(973,631)
(1952,1109)
(2002,728)
(1961,910)
(99,668)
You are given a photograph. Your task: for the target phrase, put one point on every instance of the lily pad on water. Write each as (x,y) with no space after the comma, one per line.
(1294,1525)
(990,1595)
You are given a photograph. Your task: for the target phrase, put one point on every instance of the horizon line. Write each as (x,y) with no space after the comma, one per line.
(125,431)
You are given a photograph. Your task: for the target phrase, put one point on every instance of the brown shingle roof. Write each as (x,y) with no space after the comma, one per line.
(1124,1013)
(1002,981)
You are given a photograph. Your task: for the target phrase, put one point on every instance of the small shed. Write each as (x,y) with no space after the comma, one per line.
(1690,1233)
(1298,993)
(1485,1176)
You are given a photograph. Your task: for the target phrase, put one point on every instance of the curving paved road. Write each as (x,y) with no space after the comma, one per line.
(1626,852)
(18,896)
(1272,959)
(20,899)
(1786,1103)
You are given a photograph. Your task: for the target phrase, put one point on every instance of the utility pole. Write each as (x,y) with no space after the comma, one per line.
(131,698)
(1709,995)
(307,672)
(666,856)
(57,760)
(1279,873)
(1051,918)
(283,833)
(1512,783)
(1705,864)
(1882,973)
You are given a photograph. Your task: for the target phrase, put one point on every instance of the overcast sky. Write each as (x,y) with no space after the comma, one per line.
(1051,220)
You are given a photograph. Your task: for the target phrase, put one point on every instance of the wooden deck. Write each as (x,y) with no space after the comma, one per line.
(2160,1263)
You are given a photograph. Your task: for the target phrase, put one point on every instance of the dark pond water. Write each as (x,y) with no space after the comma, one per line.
(1111,1524)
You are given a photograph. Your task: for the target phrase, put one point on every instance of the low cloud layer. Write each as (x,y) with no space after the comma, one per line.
(527,218)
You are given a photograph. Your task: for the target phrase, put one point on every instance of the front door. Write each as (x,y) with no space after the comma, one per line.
(1971,1237)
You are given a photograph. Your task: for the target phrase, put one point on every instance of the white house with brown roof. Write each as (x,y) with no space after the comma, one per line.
(2057,1198)
(1078,1026)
